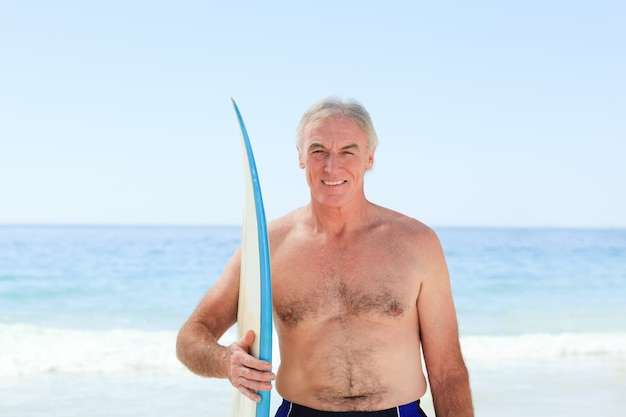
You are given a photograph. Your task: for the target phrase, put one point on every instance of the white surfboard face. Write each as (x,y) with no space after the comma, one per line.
(255,295)
(249,310)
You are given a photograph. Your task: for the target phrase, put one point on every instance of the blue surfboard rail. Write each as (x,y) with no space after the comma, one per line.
(265,345)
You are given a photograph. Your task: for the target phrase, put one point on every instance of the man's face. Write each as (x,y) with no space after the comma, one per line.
(335,157)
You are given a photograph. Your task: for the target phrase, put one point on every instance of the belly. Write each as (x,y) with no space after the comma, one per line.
(351,364)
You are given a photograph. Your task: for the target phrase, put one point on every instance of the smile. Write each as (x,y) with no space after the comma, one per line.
(332,183)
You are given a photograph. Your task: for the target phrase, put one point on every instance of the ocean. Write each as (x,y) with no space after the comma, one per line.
(89,317)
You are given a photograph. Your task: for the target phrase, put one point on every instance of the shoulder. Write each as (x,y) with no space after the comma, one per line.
(413,239)
(413,243)
(281,228)
(409,229)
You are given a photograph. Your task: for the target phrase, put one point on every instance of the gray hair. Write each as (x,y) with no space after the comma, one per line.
(333,106)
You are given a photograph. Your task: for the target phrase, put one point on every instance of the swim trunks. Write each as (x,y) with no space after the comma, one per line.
(288,409)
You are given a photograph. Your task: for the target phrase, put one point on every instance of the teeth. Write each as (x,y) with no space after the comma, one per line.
(334,182)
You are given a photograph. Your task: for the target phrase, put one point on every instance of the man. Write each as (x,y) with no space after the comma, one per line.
(358,291)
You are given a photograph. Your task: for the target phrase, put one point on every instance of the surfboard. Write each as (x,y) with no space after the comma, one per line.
(255,285)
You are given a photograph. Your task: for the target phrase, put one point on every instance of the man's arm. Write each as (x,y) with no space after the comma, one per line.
(447,373)
(197,345)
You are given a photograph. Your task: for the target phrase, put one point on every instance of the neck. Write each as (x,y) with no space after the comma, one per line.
(338,221)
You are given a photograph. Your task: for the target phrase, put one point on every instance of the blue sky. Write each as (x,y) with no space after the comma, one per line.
(489,113)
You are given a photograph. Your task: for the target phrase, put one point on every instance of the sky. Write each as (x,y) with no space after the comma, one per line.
(489,113)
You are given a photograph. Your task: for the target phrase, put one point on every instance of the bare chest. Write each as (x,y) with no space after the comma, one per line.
(319,284)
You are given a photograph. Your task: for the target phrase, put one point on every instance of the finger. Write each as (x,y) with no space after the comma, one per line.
(240,356)
(256,375)
(251,362)
(247,368)
(250,388)
(249,394)
(241,359)
(253,384)
(246,341)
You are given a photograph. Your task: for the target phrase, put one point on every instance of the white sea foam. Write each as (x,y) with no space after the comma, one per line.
(29,350)
(543,346)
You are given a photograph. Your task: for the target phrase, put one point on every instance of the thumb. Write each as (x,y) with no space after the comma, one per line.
(246,341)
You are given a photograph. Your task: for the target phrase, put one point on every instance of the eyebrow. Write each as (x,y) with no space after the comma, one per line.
(314,146)
(352,146)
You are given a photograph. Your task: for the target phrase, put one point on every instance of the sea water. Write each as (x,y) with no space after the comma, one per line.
(89,316)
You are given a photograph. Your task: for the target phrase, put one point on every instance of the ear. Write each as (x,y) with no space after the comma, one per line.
(370,160)
(300,161)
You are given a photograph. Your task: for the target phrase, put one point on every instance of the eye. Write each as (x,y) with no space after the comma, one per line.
(318,153)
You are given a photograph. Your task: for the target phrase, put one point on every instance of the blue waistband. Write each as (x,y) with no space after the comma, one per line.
(288,409)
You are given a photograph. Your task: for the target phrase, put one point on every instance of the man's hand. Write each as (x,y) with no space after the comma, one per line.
(247,373)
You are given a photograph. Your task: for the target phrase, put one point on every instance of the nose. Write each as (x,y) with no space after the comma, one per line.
(332,162)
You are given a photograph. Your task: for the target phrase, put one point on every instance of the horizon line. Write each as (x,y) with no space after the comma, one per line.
(183,225)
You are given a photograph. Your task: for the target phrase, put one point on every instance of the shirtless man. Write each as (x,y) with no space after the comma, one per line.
(358,291)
